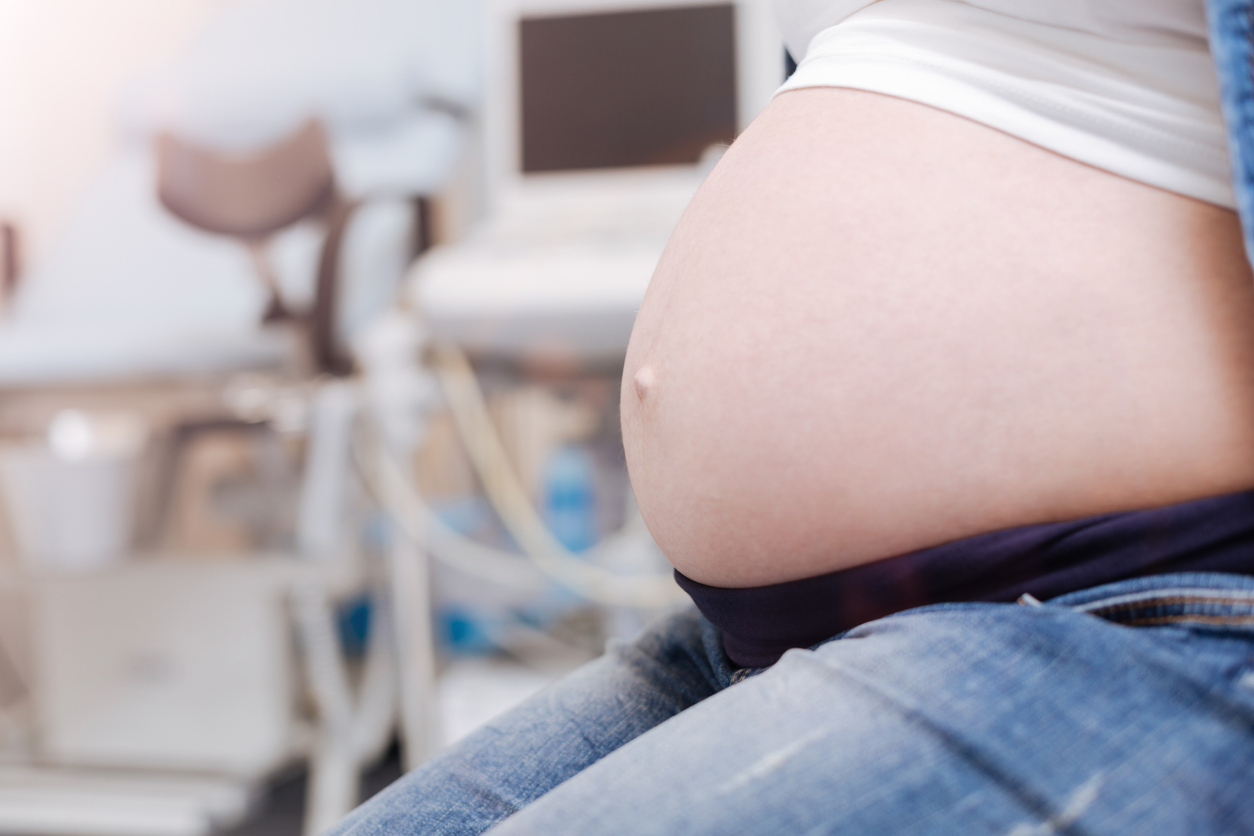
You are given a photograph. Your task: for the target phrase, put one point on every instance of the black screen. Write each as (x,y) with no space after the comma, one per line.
(648,87)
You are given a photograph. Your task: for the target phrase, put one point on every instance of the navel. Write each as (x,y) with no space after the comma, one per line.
(645,380)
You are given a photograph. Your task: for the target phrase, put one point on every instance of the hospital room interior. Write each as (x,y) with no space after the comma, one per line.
(312,320)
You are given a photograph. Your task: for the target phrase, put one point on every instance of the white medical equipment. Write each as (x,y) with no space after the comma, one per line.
(598,126)
(579,206)
(183,669)
(580,202)
(576,218)
(174,668)
(554,274)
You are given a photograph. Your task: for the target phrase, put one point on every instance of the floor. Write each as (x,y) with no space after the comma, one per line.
(281,810)
(471,692)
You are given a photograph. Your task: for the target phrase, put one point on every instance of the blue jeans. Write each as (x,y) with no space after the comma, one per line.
(1123,709)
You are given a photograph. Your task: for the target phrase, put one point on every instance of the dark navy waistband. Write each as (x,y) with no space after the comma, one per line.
(1207,535)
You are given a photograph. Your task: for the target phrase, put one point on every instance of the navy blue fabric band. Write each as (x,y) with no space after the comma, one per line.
(1207,535)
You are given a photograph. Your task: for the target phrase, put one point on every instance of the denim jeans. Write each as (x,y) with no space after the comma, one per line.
(1123,709)
(1231,24)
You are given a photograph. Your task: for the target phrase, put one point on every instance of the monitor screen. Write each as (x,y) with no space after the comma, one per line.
(615,89)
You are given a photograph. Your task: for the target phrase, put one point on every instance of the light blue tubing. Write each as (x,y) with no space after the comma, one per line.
(962,719)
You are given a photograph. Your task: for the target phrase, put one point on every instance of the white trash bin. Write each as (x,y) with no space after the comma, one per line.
(71,500)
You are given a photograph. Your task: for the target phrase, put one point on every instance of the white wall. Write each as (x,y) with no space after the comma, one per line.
(63,64)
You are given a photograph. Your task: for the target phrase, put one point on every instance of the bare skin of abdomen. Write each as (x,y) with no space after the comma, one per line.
(881,327)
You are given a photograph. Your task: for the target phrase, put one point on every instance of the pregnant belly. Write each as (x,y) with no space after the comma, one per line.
(880,327)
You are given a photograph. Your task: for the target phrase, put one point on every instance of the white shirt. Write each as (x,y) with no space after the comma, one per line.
(1124,85)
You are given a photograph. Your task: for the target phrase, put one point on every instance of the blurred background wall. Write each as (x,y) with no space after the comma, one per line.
(63,64)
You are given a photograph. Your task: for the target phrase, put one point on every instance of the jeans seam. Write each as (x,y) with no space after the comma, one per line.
(1186,617)
(1218,600)
(1126,611)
